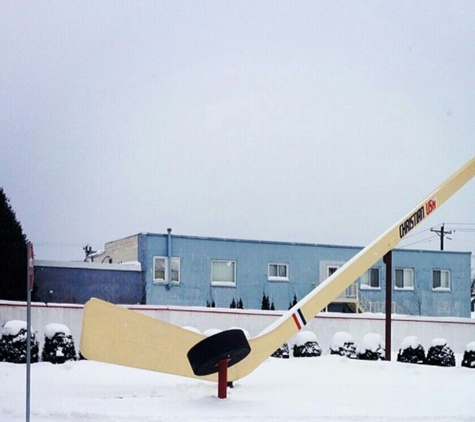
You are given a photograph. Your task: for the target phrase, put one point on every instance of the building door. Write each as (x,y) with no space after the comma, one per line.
(350,291)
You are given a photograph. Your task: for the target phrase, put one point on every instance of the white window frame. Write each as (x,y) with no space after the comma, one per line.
(406,273)
(446,288)
(279,265)
(164,280)
(365,279)
(220,283)
(327,266)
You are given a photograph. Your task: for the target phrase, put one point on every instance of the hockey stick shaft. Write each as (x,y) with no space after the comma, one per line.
(305,310)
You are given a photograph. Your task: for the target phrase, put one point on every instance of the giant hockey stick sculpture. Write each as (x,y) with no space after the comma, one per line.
(116,335)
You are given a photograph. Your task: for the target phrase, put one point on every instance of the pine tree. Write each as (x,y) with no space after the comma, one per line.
(240,304)
(265,306)
(211,304)
(13,253)
(233,304)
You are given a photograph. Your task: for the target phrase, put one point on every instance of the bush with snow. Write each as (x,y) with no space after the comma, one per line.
(440,354)
(59,344)
(411,351)
(13,343)
(282,352)
(306,345)
(372,347)
(469,355)
(343,344)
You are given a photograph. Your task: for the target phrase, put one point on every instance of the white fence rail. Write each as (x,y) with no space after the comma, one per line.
(457,331)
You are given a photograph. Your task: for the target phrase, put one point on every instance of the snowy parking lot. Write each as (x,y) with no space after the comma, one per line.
(326,388)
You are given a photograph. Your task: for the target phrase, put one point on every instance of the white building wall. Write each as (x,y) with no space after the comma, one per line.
(122,250)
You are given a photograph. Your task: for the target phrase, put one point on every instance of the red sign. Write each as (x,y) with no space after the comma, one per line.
(31,266)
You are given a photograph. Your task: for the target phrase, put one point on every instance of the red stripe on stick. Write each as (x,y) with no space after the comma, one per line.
(297,322)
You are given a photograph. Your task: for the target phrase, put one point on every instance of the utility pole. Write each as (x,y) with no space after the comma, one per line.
(441,233)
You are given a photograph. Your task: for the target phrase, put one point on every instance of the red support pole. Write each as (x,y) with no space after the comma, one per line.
(388,260)
(223,378)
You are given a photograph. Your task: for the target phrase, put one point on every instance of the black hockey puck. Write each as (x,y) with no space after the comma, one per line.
(205,355)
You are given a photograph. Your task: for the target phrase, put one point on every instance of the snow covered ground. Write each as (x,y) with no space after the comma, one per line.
(327,388)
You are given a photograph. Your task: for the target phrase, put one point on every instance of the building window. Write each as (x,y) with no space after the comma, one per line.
(331,269)
(370,279)
(441,279)
(404,278)
(223,273)
(160,269)
(278,272)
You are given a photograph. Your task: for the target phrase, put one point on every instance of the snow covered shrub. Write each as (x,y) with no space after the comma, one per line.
(440,354)
(59,344)
(306,345)
(469,355)
(282,352)
(411,351)
(343,344)
(13,343)
(372,347)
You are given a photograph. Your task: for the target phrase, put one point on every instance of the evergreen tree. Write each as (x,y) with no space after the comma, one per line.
(294,302)
(13,253)
(233,304)
(265,305)
(240,304)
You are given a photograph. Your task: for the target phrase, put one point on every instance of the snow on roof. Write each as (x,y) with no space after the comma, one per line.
(134,266)
(136,263)
(52,329)
(96,253)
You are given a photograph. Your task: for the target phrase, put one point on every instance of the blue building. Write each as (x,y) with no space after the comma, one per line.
(77,282)
(206,271)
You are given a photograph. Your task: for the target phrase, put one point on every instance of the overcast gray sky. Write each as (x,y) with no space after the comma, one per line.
(304,121)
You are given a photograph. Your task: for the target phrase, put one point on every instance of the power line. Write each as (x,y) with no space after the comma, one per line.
(415,234)
(425,240)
